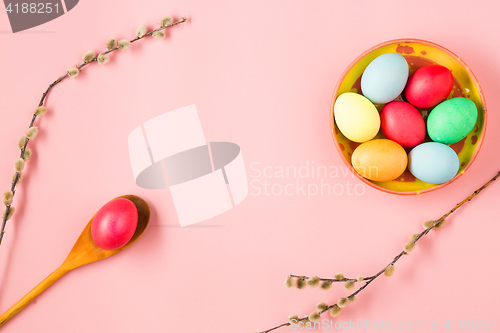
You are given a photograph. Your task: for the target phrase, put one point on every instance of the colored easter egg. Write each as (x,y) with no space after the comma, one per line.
(385,78)
(452,120)
(379,160)
(356,117)
(402,123)
(428,86)
(433,162)
(114,224)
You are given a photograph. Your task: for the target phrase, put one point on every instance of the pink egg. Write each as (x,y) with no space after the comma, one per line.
(114,224)
(401,122)
(428,86)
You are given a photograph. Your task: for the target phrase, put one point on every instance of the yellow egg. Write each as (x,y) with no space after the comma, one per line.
(379,160)
(356,117)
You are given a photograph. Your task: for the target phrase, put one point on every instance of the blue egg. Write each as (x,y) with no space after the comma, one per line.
(385,78)
(433,162)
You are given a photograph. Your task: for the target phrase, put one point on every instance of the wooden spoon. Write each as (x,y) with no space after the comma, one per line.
(84,252)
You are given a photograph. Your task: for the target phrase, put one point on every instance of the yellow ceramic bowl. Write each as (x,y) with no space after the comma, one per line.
(418,53)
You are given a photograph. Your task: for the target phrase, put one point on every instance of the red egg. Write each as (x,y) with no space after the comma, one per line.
(428,86)
(401,122)
(114,224)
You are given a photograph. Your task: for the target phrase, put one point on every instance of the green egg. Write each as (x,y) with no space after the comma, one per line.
(451,120)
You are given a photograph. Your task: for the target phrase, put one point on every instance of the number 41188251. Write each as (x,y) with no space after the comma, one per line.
(33,8)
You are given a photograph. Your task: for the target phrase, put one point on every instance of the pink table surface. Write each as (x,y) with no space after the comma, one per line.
(261,74)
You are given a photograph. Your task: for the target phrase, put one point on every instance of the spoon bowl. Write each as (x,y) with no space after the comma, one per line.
(85,251)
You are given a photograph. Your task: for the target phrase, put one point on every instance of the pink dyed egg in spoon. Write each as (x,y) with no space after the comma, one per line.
(114,224)
(117,225)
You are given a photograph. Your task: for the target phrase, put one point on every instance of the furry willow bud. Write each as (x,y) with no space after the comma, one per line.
(301,283)
(102,59)
(342,302)
(439,225)
(32,132)
(19,165)
(321,306)
(27,155)
(88,56)
(9,214)
(313,282)
(413,237)
(314,317)
(73,72)
(21,142)
(123,44)
(326,285)
(158,34)
(293,319)
(141,31)
(19,177)
(40,111)
(360,278)
(111,44)
(348,285)
(428,224)
(339,276)
(389,270)
(7,197)
(409,246)
(335,311)
(167,20)
(289,282)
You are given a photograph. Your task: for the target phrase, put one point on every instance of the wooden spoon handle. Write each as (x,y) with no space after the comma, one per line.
(60,271)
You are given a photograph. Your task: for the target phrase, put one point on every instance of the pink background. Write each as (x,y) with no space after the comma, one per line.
(261,74)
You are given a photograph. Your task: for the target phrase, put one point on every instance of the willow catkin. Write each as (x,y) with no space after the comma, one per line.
(314,281)
(73,72)
(321,306)
(141,31)
(335,311)
(22,142)
(342,302)
(314,317)
(40,111)
(102,59)
(88,56)
(158,34)
(167,20)
(389,270)
(289,282)
(428,224)
(9,214)
(326,285)
(111,44)
(7,197)
(348,285)
(301,283)
(27,155)
(32,132)
(123,44)
(19,165)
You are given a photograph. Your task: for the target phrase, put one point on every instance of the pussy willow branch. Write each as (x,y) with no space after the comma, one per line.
(396,258)
(42,100)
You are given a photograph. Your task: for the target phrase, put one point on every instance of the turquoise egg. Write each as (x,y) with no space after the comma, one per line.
(452,120)
(433,162)
(385,78)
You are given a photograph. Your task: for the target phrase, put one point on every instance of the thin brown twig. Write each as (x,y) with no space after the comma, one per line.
(44,95)
(396,258)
